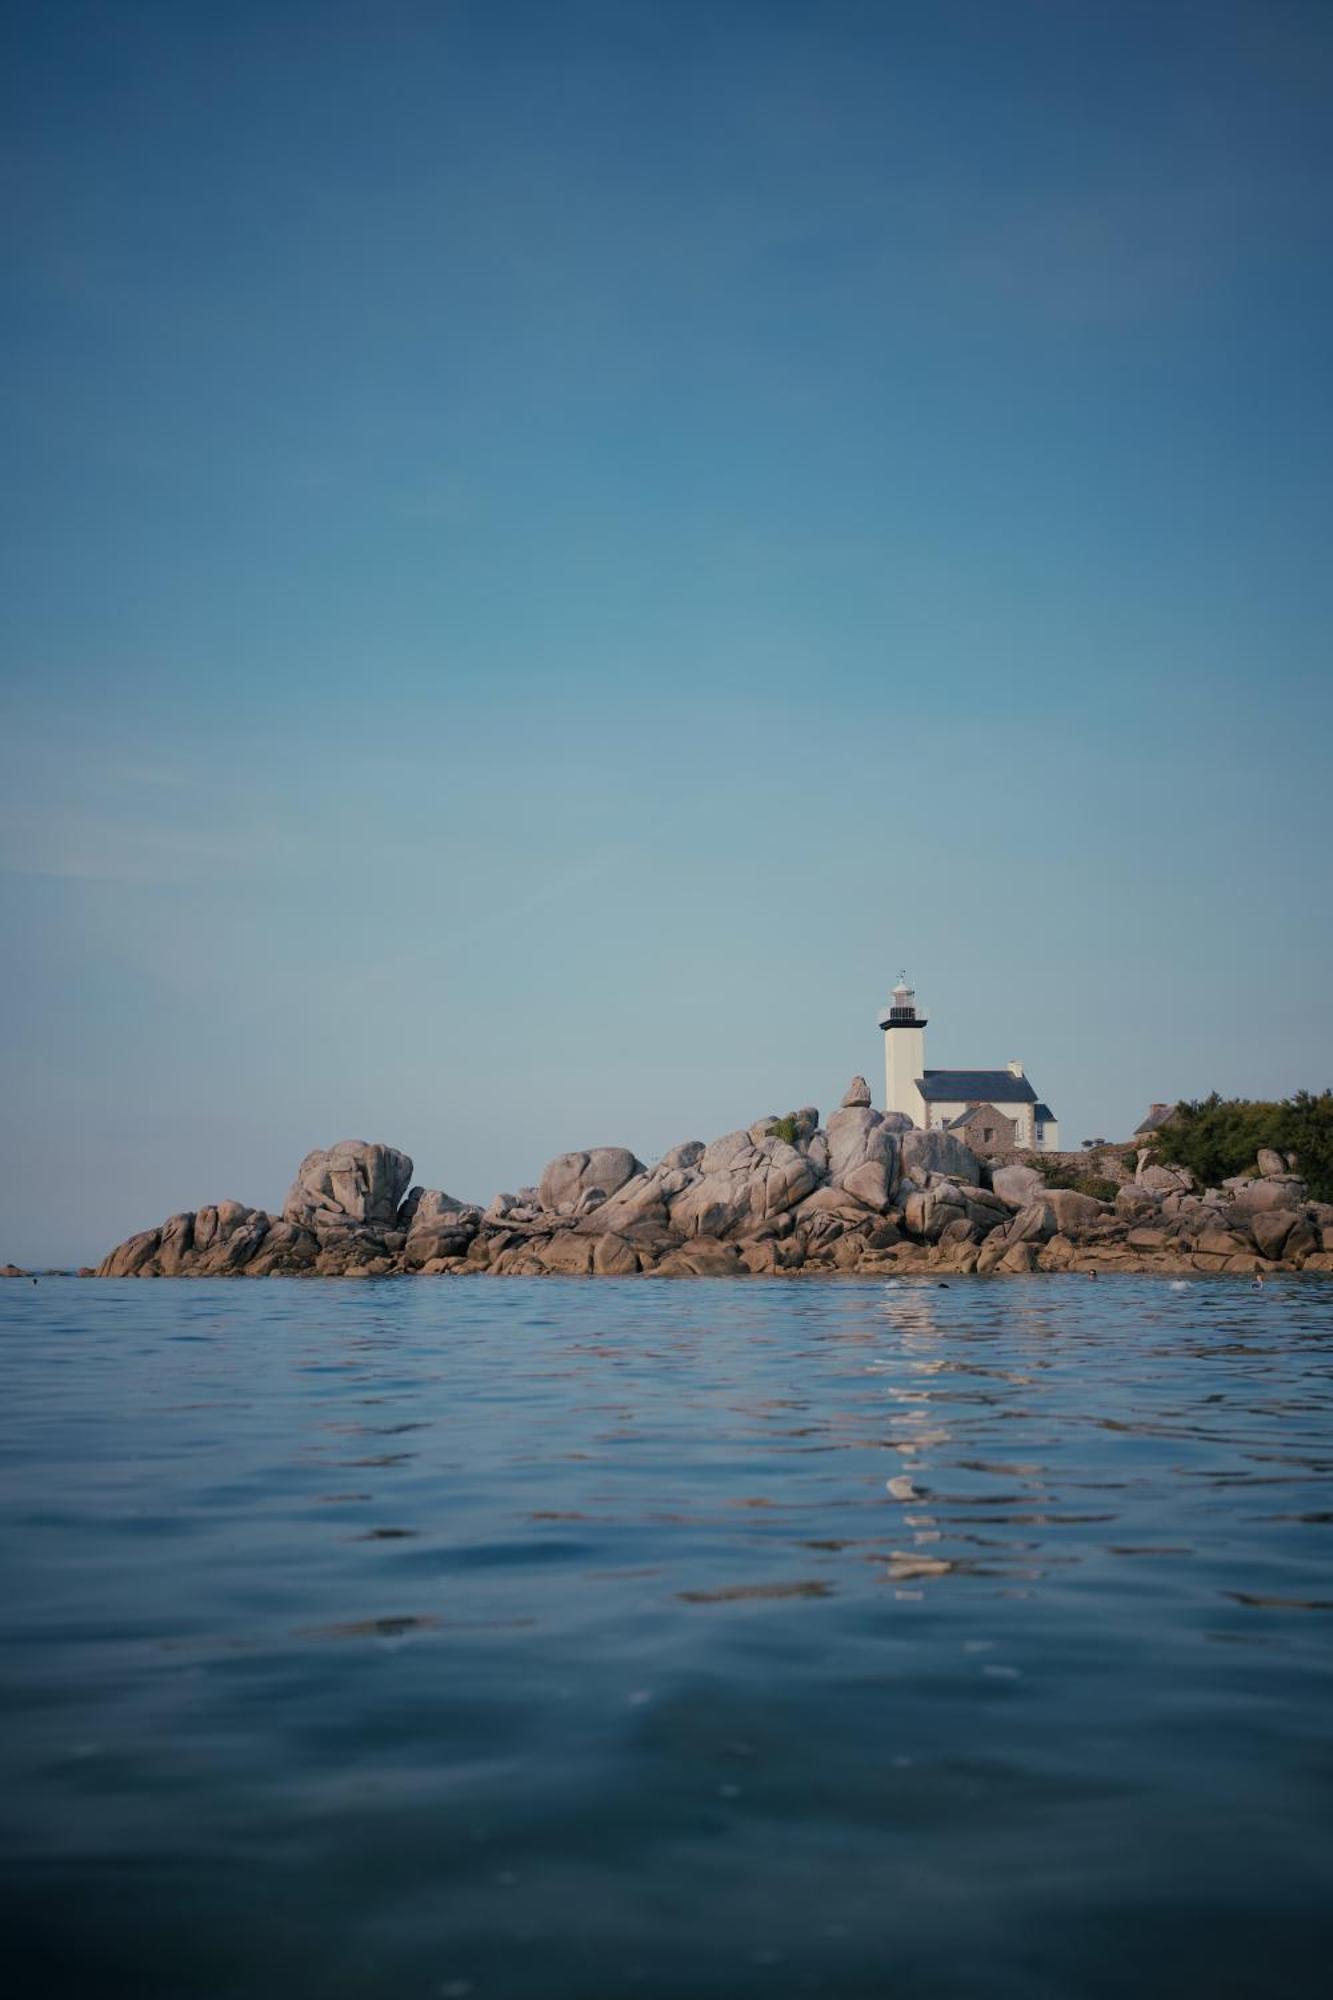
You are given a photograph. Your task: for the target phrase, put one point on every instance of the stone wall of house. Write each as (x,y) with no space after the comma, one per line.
(988,1132)
(940,1117)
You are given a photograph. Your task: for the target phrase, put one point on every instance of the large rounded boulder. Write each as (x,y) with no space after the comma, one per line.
(863,1155)
(437,1226)
(571,1176)
(352,1186)
(740,1183)
(1018,1186)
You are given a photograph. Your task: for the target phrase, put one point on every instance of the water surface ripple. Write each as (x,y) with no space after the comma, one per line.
(568,1641)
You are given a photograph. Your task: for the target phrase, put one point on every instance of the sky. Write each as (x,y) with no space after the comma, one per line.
(550,549)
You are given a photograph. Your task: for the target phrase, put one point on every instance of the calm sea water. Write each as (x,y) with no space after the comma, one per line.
(714,1639)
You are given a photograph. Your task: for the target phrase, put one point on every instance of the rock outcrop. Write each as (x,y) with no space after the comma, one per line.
(784,1196)
(740,1182)
(863,1156)
(1017,1185)
(352,1186)
(437,1227)
(570,1179)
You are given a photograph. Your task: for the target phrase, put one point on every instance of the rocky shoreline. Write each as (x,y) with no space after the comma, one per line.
(788,1197)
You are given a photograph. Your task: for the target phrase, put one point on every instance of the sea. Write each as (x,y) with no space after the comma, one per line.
(583,1640)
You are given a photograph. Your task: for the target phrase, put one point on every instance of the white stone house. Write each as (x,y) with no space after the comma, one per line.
(941,1099)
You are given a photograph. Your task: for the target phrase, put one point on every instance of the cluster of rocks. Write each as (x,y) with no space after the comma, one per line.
(865,1193)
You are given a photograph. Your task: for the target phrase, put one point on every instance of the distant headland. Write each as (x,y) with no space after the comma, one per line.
(960,1173)
(867,1193)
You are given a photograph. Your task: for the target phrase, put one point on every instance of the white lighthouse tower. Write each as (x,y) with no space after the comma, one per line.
(904,1052)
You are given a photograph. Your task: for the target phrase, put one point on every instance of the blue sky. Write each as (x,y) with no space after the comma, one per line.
(550,548)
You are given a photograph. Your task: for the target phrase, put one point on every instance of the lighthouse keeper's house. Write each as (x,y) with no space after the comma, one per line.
(991,1110)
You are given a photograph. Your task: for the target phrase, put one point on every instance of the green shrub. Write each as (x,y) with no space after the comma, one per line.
(1058,1174)
(785,1128)
(1307,1131)
(1217,1137)
(1055,1173)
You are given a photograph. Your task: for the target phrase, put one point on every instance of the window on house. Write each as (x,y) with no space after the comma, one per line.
(987,1134)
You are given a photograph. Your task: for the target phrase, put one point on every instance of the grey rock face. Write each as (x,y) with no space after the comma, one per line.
(441,1227)
(856,1097)
(241,1242)
(1253,1197)
(863,1155)
(1017,1185)
(615,1257)
(925,1153)
(930,1213)
(869,1183)
(177,1244)
(285,1248)
(829,1201)
(568,1177)
(733,1149)
(212,1243)
(1301,1240)
(1073,1211)
(740,1184)
(1164,1180)
(1271,1228)
(350,1185)
(1270,1162)
(1033,1224)
(640,1201)
(984,1210)
(128,1259)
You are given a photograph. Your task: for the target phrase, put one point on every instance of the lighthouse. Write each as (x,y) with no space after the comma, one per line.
(994,1111)
(904,1051)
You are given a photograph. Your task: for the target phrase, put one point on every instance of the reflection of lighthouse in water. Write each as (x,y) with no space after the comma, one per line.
(911,1438)
(947,1499)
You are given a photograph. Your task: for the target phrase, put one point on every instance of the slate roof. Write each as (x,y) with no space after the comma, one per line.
(965,1117)
(1045,1116)
(1161,1114)
(986,1086)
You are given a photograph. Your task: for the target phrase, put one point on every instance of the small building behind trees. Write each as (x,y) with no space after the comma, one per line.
(1158,1115)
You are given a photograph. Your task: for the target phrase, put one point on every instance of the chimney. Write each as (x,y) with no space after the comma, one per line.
(1015,1069)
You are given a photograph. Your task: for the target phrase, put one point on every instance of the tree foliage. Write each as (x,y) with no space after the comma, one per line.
(1217,1137)
(1308,1126)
